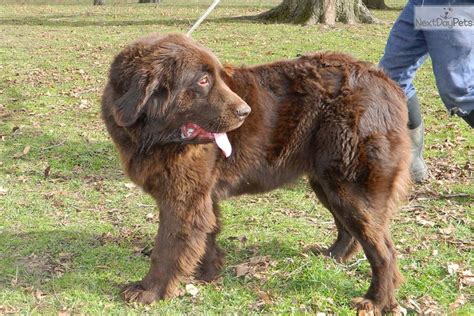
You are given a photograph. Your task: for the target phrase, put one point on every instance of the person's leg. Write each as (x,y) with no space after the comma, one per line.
(452,53)
(418,168)
(405,52)
(469,119)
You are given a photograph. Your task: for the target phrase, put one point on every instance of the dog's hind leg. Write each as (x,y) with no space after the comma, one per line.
(345,246)
(365,215)
(212,261)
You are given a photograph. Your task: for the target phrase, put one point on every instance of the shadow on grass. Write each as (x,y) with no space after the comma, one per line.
(74,21)
(67,261)
(99,265)
(65,158)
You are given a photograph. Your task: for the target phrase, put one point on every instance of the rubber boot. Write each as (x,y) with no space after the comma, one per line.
(419,170)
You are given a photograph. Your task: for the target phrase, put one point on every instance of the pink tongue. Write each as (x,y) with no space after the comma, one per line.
(223,143)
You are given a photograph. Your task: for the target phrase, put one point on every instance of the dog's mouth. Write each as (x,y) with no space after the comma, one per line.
(192,131)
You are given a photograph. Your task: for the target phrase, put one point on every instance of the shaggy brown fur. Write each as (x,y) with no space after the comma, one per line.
(339,121)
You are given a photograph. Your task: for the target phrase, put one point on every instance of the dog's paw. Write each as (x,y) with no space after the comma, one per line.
(209,269)
(207,275)
(318,250)
(134,292)
(208,272)
(365,307)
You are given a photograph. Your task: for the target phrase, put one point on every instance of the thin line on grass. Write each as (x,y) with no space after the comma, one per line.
(297,269)
(53,146)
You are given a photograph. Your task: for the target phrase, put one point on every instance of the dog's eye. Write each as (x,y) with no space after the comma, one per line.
(204,81)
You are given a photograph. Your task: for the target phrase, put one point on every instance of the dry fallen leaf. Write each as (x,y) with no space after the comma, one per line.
(25,151)
(400,311)
(64,312)
(260,260)
(466,278)
(39,295)
(424,305)
(429,306)
(242,270)
(149,216)
(255,267)
(448,230)
(191,290)
(130,185)
(265,297)
(47,172)
(423,222)
(453,268)
(8,309)
(461,300)
(413,304)
(84,104)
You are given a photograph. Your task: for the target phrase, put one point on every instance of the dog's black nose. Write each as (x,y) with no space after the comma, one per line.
(243,111)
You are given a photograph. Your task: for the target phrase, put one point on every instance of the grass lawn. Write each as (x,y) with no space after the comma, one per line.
(73,229)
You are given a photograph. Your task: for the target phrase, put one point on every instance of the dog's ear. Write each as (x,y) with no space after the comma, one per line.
(129,107)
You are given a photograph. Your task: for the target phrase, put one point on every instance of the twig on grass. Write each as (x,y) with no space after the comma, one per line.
(355,264)
(55,145)
(446,197)
(297,269)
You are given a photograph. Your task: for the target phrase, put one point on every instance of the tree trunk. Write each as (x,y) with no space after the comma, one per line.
(318,11)
(376,4)
(99,2)
(149,1)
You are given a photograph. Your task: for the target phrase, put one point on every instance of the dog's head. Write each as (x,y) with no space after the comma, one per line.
(170,89)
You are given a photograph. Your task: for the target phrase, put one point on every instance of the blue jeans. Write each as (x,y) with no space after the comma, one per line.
(451,52)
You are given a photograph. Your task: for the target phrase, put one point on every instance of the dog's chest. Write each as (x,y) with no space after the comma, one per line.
(258,180)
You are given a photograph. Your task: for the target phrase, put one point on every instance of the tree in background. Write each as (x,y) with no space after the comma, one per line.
(318,11)
(376,4)
(99,2)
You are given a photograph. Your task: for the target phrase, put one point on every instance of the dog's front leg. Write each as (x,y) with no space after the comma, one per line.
(179,245)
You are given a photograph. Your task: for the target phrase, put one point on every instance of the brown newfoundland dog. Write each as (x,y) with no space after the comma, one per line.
(191,132)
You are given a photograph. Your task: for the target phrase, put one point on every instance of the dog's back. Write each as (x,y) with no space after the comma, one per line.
(325,114)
